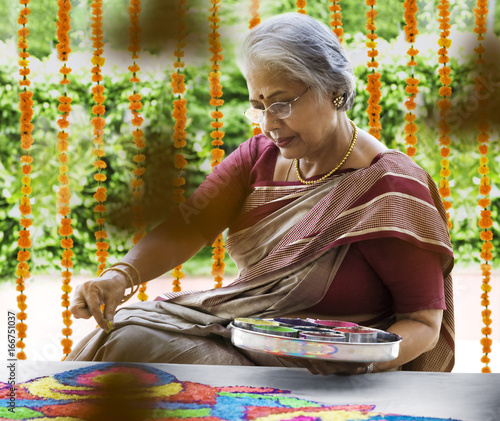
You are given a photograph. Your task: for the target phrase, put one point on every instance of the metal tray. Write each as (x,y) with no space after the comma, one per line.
(385,349)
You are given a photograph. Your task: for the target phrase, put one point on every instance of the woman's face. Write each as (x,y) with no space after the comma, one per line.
(309,131)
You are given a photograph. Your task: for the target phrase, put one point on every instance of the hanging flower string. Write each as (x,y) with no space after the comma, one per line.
(179,114)
(444,105)
(254,13)
(138,219)
(301,6)
(215,48)
(98,123)
(217,134)
(26,129)
(485,221)
(254,21)
(373,86)
(411,32)
(64,193)
(336,19)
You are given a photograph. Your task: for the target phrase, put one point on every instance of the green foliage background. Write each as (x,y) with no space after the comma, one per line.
(157,64)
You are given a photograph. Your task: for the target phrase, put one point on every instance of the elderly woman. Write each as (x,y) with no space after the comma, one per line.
(324,221)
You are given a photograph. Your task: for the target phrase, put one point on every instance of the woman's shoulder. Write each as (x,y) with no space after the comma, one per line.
(395,171)
(395,160)
(371,152)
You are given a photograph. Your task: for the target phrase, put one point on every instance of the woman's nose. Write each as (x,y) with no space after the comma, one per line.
(270,122)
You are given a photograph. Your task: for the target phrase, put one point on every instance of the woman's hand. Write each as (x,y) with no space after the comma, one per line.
(89,296)
(316,366)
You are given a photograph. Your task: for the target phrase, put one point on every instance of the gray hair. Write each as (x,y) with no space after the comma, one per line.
(304,50)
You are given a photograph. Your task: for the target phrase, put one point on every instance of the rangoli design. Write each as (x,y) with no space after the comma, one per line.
(133,392)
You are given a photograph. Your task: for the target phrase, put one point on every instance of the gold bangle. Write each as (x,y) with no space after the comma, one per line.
(130,266)
(132,293)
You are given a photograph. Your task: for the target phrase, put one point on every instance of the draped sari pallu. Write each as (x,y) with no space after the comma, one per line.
(289,242)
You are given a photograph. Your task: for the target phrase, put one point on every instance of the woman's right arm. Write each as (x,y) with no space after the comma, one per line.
(170,244)
(210,209)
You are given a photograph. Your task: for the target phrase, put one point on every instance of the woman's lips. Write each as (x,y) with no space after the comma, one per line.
(283,141)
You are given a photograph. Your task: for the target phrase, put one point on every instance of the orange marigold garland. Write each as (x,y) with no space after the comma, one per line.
(26,129)
(444,104)
(218,265)
(215,48)
(179,114)
(254,21)
(336,19)
(256,129)
(217,134)
(98,123)
(138,138)
(64,193)
(254,13)
(411,32)
(373,86)
(301,6)
(485,221)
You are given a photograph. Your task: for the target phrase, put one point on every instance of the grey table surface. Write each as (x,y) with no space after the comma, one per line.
(462,396)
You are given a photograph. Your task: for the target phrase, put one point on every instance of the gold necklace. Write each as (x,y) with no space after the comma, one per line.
(346,155)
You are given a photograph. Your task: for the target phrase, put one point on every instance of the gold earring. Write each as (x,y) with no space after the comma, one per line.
(338,101)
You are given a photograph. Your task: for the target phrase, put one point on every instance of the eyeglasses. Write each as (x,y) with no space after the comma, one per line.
(280,110)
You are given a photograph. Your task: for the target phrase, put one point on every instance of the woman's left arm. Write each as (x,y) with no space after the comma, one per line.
(415,279)
(420,333)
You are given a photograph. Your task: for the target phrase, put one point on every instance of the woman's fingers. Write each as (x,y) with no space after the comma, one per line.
(91,296)
(78,306)
(94,298)
(111,303)
(325,368)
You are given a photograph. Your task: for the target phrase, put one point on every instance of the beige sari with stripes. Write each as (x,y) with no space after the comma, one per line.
(289,258)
